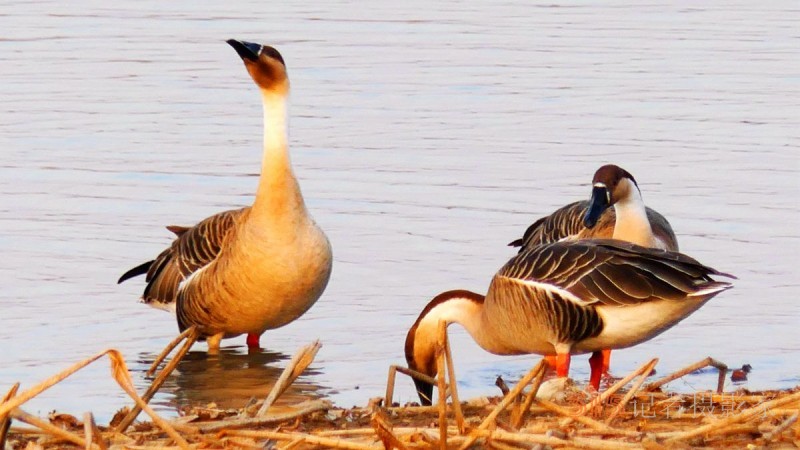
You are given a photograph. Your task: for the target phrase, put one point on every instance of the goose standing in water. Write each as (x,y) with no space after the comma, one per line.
(629,220)
(253,269)
(565,298)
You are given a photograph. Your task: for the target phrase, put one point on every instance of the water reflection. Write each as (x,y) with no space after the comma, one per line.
(231,378)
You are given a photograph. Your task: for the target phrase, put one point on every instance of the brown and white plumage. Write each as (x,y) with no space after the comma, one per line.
(570,297)
(247,270)
(567,223)
(629,220)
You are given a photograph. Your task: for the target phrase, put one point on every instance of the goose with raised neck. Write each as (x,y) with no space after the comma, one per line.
(252,269)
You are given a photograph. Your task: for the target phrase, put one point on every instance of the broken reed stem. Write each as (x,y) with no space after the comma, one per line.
(5,421)
(589,422)
(442,387)
(92,433)
(742,416)
(49,428)
(390,381)
(645,373)
(317,405)
(708,361)
(451,376)
(18,400)
(121,375)
(526,406)
(383,429)
(191,338)
(307,438)
(507,400)
(299,362)
(781,427)
(119,370)
(617,386)
(167,350)
(575,442)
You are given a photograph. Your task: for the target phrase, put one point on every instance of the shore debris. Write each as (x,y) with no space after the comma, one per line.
(637,417)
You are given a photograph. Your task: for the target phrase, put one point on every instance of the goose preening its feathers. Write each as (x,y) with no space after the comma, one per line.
(569,297)
(629,220)
(247,270)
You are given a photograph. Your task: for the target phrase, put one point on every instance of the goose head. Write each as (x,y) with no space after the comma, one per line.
(264,64)
(611,184)
(459,306)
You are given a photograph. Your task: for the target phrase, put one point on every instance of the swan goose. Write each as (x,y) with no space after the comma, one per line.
(629,220)
(568,297)
(252,269)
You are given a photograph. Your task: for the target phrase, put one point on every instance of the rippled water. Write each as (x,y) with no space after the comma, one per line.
(424,139)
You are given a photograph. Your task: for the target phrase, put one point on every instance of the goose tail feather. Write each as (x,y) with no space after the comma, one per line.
(141,269)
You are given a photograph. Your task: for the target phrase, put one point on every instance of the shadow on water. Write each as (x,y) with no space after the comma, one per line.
(229,379)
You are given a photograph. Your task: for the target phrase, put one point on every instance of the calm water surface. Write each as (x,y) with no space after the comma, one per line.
(424,139)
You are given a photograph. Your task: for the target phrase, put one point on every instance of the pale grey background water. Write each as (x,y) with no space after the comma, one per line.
(425,137)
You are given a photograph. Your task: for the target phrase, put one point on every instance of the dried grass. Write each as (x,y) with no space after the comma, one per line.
(637,418)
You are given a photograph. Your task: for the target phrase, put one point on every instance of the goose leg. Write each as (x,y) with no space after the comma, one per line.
(599,363)
(213,343)
(551,361)
(562,364)
(252,340)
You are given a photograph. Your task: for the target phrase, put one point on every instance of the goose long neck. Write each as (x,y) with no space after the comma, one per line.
(278,193)
(632,224)
(462,307)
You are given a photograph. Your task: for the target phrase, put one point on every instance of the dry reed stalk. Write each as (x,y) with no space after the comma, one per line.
(18,400)
(167,350)
(645,373)
(708,361)
(5,421)
(575,442)
(50,429)
(307,438)
(293,444)
(451,377)
(442,387)
(399,431)
(742,416)
(119,371)
(191,338)
(783,426)
(589,422)
(299,362)
(507,400)
(317,405)
(92,433)
(519,414)
(617,386)
(390,381)
(383,429)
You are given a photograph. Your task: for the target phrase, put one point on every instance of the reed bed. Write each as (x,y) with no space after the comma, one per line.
(629,414)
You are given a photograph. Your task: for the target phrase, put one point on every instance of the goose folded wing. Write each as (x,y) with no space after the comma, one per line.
(194,248)
(563,223)
(611,272)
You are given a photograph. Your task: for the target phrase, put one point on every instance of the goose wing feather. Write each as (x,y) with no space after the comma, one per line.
(194,248)
(611,272)
(567,223)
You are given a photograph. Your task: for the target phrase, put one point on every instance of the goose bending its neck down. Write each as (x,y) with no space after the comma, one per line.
(247,270)
(567,298)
